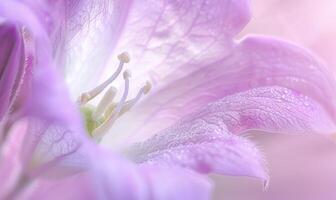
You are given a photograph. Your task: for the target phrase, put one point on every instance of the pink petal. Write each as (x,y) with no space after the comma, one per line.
(256,61)
(204,142)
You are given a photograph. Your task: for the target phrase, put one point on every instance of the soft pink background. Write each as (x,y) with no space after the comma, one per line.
(301,167)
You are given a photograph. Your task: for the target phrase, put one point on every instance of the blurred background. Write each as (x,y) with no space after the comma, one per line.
(301,167)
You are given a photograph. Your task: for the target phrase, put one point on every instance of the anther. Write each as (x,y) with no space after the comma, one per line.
(83,98)
(124,57)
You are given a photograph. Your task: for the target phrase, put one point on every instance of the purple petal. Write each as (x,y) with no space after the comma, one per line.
(12,66)
(54,128)
(204,142)
(255,62)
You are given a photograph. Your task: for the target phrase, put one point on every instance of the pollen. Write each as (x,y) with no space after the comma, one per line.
(100,119)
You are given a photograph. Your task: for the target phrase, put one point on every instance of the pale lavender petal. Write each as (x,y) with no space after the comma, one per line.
(89,35)
(76,28)
(55,132)
(163,35)
(256,61)
(204,140)
(88,51)
(160,36)
(115,178)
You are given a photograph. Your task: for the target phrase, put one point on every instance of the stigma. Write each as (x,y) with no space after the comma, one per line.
(100,119)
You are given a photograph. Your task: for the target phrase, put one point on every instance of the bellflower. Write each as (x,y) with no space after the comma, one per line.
(205,90)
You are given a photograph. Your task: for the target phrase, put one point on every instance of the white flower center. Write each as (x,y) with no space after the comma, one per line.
(100,119)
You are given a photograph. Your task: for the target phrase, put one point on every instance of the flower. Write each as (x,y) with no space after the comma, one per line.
(211,89)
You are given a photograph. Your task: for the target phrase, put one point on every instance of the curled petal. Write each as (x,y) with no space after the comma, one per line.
(204,140)
(272,109)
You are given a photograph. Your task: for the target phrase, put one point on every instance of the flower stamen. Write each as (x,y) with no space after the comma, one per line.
(101,118)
